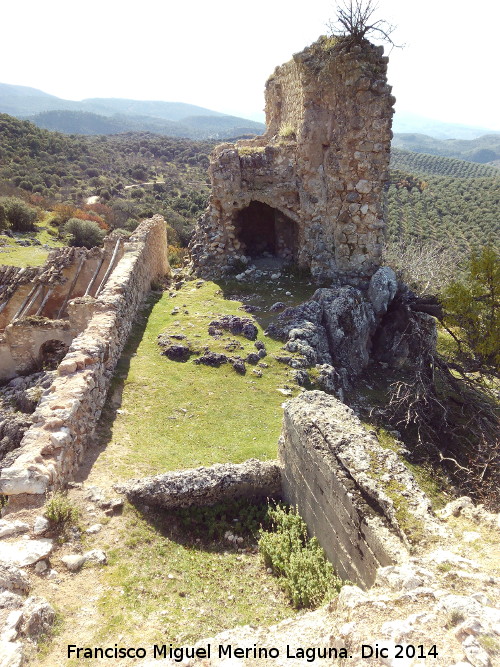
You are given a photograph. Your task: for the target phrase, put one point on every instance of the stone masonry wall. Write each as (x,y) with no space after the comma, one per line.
(342,480)
(322,164)
(68,411)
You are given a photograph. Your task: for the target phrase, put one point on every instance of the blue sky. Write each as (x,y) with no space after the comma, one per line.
(219,53)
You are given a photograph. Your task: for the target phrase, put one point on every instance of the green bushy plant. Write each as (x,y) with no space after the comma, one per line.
(61,511)
(20,216)
(472,306)
(85,233)
(305,574)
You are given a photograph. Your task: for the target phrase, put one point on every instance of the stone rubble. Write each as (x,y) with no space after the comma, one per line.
(21,619)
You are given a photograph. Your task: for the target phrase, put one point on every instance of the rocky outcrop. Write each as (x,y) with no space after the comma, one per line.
(253,479)
(335,330)
(21,619)
(309,191)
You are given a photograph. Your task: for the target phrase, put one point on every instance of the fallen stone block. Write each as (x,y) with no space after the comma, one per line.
(252,479)
(13,579)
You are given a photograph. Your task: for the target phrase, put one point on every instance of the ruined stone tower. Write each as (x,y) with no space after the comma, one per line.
(310,189)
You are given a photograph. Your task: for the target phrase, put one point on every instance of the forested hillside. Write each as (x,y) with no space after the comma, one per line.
(135,175)
(131,175)
(112,116)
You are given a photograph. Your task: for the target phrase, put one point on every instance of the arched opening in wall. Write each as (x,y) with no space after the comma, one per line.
(266,232)
(51,353)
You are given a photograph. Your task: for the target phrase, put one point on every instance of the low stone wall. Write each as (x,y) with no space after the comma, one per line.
(343,483)
(253,479)
(68,411)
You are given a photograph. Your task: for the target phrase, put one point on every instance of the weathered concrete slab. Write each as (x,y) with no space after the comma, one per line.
(347,487)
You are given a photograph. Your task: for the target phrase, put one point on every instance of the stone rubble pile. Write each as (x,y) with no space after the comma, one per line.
(18,401)
(23,618)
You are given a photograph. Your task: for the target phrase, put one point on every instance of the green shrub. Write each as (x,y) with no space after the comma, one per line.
(176,256)
(20,216)
(287,131)
(85,233)
(61,511)
(472,305)
(305,574)
(3,217)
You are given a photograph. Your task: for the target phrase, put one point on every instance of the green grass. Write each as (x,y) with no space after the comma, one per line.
(16,255)
(177,415)
(165,582)
(164,586)
(23,256)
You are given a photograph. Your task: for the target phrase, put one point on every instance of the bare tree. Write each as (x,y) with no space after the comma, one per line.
(355,20)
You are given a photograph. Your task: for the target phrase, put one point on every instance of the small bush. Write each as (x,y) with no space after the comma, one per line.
(61,511)
(473,307)
(287,131)
(305,574)
(20,216)
(3,217)
(86,233)
(176,256)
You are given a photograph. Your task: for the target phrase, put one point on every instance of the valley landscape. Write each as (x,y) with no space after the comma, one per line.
(315,311)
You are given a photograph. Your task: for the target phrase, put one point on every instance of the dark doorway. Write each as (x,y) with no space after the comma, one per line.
(52,352)
(266,232)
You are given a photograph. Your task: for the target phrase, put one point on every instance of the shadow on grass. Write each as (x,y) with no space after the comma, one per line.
(113,399)
(203,528)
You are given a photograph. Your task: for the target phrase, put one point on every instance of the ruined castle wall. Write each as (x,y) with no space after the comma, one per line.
(284,85)
(341,479)
(7,362)
(323,162)
(68,411)
(45,290)
(24,341)
(34,301)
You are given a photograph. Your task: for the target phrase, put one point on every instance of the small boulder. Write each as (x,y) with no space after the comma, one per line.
(96,556)
(73,562)
(38,617)
(13,579)
(8,528)
(41,525)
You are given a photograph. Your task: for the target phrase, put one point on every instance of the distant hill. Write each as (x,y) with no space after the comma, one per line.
(405,122)
(483,149)
(113,116)
(192,127)
(21,101)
